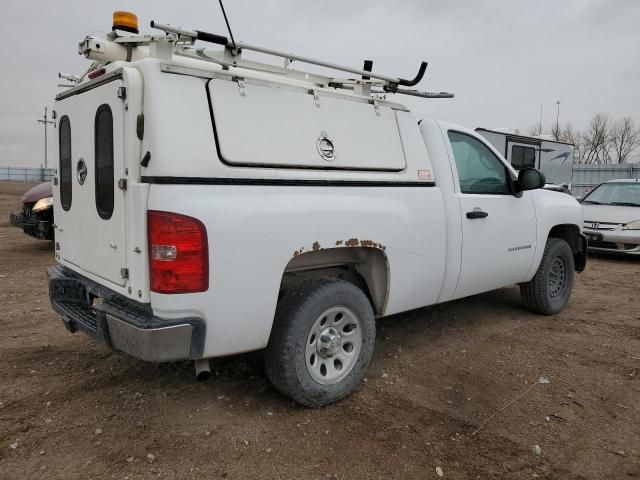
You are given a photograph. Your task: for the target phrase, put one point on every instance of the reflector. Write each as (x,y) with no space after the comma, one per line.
(96,73)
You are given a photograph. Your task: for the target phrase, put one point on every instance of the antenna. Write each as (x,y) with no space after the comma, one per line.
(224,14)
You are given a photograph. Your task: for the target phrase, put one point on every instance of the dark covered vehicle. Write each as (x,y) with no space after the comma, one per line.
(36,216)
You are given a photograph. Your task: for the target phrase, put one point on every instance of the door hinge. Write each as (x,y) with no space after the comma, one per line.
(316,96)
(241,88)
(55,180)
(376,107)
(122,184)
(122,92)
(124,273)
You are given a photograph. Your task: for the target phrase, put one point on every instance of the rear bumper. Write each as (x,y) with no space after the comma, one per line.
(121,323)
(41,229)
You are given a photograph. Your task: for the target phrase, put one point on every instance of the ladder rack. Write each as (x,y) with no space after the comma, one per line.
(180,41)
(236,50)
(388,84)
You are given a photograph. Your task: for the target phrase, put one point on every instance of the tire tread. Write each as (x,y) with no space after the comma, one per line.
(534,292)
(280,351)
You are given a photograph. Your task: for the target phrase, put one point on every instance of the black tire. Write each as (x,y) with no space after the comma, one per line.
(549,290)
(297,313)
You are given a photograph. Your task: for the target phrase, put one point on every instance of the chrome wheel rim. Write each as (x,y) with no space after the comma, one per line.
(333,345)
(557,277)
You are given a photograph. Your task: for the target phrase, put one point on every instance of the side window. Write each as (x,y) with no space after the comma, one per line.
(523,157)
(479,170)
(64,145)
(103,131)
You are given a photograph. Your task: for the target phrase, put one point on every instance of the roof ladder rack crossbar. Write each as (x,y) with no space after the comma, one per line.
(239,46)
(417,93)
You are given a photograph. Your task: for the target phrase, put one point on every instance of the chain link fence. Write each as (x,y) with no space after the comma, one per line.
(26,174)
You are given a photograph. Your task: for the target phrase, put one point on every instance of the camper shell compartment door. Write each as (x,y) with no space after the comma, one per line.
(91,226)
(278,126)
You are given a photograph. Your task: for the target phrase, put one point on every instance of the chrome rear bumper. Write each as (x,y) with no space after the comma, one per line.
(121,323)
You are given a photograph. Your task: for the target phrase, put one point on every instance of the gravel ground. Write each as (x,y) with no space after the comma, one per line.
(71,408)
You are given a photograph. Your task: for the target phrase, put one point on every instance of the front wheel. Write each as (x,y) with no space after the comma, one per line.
(321,342)
(549,290)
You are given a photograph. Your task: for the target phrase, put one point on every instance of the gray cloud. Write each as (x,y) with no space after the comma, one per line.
(502,59)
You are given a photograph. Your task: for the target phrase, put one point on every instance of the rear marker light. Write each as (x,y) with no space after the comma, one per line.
(178,253)
(96,73)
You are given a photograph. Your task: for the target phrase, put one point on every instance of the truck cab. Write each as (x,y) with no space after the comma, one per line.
(208,205)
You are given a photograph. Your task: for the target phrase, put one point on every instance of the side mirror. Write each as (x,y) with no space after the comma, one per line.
(530,179)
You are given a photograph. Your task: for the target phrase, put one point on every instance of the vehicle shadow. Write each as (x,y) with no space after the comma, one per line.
(242,378)
(31,245)
(613,258)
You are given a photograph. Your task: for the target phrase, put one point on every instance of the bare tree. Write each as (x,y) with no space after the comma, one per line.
(625,138)
(569,135)
(604,141)
(597,139)
(535,130)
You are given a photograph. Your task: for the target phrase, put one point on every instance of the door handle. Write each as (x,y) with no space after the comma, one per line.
(477,214)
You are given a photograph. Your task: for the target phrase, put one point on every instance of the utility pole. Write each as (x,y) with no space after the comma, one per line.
(558,121)
(540,123)
(45,121)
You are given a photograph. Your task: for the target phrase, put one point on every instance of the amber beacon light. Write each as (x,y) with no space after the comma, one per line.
(126,21)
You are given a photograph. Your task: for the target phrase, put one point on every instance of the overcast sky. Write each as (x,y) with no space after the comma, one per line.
(503,59)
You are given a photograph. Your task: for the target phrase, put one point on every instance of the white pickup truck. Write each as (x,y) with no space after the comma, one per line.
(207,205)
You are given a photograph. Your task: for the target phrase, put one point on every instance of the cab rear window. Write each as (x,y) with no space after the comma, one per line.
(64,139)
(104,161)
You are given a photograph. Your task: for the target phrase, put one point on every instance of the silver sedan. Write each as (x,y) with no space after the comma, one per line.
(612,217)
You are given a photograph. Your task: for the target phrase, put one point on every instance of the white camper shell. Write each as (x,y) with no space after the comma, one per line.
(207,205)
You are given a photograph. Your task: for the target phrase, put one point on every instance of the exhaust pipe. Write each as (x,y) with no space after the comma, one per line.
(203,372)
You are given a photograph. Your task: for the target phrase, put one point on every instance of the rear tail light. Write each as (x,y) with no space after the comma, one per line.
(178,253)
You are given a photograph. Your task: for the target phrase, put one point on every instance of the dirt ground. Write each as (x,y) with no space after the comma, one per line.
(70,408)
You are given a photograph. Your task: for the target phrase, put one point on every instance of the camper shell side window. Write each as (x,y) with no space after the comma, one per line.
(103,131)
(64,145)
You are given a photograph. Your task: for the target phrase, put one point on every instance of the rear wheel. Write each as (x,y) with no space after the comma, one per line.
(549,290)
(321,342)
